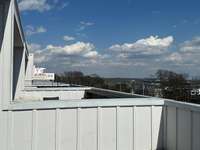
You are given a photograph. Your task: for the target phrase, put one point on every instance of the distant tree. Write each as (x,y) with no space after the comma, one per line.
(78,78)
(93,80)
(173,85)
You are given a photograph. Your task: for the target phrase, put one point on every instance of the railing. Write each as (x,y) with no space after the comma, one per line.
(182,126)
(105,124)
(83,125)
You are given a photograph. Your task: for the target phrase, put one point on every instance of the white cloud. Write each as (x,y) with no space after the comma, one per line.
(78,52)
(87,23)
(188,53)
(122,56)
(41,5)
(92,55)
(82,54)
(192,46)
(30,30)
(68,38)
(41,29)
(73,49)
(149,46)
(125,60)
(83,25)
(38,5)
(34,47)
(175,57)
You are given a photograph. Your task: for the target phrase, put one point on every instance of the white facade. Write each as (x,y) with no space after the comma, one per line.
(39,74)
(36,73)
(29,71)
(13,54)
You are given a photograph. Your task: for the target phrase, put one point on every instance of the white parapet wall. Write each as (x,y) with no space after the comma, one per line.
(104,124)
(39,94)
(123,124)
(182,126)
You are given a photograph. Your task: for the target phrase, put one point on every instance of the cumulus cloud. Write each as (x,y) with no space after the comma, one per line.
(68,38)
(41,5)
(38,5)
(85,55)
(126,60)
(79,50)
(175,57)
(187,54)
(92,55)
(192,46)
(73,49)
(30,30)
(148,46)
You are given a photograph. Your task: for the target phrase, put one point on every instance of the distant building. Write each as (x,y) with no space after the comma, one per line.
(39,74)
(150,87)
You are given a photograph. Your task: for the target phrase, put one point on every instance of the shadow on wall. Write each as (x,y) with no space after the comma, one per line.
(18,57)
(4,5)
(161,139)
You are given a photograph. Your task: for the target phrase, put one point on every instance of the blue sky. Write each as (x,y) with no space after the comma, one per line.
(114,38)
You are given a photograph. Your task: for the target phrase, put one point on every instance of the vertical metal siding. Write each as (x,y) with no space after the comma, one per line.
(171,128)
(195,130)
(99,128)
(183,129)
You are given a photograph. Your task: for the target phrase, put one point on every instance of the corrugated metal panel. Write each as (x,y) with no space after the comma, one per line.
(45,130)
(3,130)
(171,128)
(195,130)
(125,128)
(22,130)
(99,128)
(143,128)
(183,129)
(157,127)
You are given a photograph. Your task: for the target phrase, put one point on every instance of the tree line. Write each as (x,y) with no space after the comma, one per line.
(172,85)
(93,80)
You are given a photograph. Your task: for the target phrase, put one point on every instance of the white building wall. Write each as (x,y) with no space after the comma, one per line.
(12,67)
(1,58)
(62,94)
(183,126)
(6,57)
(29,71)
(19,71)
